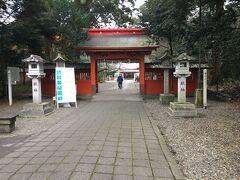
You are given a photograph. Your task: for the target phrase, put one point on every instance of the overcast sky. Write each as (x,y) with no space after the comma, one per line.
(138,3)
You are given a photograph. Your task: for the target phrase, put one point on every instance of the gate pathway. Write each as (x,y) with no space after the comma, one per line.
(106,139)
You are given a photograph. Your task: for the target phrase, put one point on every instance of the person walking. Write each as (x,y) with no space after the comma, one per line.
(120,81)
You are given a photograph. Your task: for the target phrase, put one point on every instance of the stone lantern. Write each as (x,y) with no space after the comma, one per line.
(182,108)
(36,72)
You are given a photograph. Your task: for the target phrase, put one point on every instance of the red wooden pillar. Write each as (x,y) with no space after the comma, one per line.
(96,75)
(142,75)
(93,75)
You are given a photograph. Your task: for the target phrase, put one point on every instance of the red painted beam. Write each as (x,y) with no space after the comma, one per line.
(117,31)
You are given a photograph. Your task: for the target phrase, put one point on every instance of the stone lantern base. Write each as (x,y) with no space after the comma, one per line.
(187,109)
(165,99)
(35,110)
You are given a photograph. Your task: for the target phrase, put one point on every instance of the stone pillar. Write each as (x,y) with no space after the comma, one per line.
(142,76)
(166,98)
(93,75)
(182,89)
(36,90)
(166,81)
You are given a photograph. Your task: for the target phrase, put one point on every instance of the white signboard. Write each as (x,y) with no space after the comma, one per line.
(65,85)
(15,73)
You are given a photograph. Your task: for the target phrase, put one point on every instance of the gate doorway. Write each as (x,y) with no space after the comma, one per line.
(108,72)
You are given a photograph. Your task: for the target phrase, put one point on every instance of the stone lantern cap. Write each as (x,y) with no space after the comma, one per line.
(59,58)
(183,57)
(34,58)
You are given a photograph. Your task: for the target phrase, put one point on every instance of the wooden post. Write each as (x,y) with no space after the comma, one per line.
(93,75)
(9,88)
(142,76)
(205,88)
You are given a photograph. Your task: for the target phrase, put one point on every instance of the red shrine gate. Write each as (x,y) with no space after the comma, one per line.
(118,44)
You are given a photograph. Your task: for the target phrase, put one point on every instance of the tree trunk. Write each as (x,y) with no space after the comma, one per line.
(3,77)
(216,66)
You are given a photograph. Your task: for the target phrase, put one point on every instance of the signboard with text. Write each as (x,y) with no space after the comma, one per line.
(65,85)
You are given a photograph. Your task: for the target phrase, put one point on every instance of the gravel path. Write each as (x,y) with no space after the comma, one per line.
(206,147)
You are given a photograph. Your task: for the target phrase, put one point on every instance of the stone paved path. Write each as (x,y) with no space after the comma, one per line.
(103,140)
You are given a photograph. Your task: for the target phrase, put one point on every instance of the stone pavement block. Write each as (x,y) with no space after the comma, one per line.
(159,178)
(47,168)
(89,160)
(71,159)
(20,176)
(155,150)
(123,170)
(51,148)
(142,178)
(44,154)
(22,149)
(99,176)
(142,171)
(157,157)
(109,148)
(6,160)
(108,154)
(59,176)
(36,148)
(10,168)
(92,153)
(14,154)
(122,177)
(140,149)
(66,167)
(29,168)
(95,142)
(124,149)
(123,162)
(105,169)
(159,164)
(21,160)
(85,167)
(137,155)
(75,153)
(28,154)
(94,147)
(141,163)
(124,155)
(55,159)
(4,176)
(39,176)
(80,176)
(61,153)
(106,161)
(39,160)
(166,173)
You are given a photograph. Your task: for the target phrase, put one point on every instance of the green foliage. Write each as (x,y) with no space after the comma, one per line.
(104,12)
